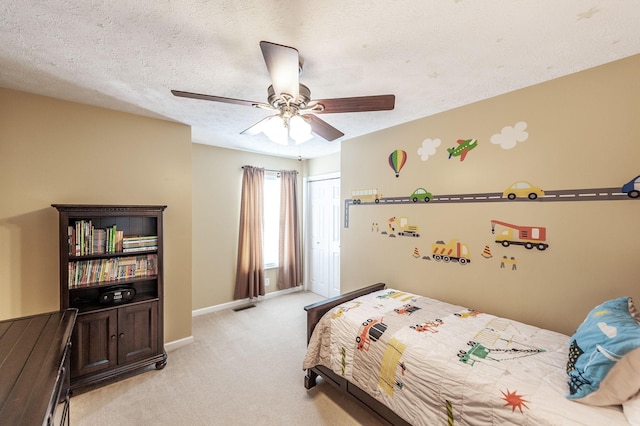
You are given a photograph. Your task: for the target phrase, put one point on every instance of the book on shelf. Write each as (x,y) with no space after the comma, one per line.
(99,241)
(135,249)
(111,239)
(85,273)
(84,239)
(137,243)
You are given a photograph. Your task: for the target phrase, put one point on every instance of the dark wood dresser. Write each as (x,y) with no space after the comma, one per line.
(34,368)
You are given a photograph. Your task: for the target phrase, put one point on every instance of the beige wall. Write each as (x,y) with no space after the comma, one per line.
(583,131)
(322,165)
(52,151)
(217,185)
(581,128)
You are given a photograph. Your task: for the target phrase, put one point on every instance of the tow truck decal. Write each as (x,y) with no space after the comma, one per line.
(527,236)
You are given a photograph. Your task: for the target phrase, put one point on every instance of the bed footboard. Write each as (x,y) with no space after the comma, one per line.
(314,313)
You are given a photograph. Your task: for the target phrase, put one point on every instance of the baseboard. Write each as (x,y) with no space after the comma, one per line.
(172,346)
(236,303)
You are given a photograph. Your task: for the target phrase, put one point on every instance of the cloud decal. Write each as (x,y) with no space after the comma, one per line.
(428,148)
(510,136)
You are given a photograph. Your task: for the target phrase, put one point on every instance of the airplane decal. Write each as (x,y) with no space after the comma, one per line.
(464,146)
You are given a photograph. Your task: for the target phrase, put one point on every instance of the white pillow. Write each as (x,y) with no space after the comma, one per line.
(631,410)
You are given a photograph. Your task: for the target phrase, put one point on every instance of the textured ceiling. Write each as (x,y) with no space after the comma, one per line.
(434,55)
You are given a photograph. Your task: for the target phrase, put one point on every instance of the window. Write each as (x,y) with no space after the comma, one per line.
(271,232)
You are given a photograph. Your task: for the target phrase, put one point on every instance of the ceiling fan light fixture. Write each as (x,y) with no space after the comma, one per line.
(276,130)
(299,129)
(280,128)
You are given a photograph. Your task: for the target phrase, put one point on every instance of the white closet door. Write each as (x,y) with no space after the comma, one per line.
(324,236)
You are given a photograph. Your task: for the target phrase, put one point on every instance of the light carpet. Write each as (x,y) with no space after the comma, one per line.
(244,368)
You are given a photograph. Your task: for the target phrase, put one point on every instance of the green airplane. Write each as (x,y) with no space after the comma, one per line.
(464,146)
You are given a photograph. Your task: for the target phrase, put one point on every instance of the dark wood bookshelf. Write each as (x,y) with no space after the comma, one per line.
(111,255)
(114,337)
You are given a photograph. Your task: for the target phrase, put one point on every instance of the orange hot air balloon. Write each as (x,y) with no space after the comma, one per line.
(397,159)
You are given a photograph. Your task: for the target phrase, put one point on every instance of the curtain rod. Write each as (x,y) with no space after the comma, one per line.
(272,170)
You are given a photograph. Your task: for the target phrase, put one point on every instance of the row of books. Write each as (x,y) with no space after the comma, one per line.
(138,243)
(84,240)
(85,273)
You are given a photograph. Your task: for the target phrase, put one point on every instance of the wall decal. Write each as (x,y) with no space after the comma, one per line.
(527,236)
(486,253)
(632,188)
(406,229)
(522,189)
(416,253)
(453,251)
(391,227)
(428,148)
(463,148)
(629,192)
(402,226)
(396,160)
(508,261)
(421,194)
(510,136)
(366,195)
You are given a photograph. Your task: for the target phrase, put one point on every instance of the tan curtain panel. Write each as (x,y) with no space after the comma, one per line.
(290,256)
(250,270)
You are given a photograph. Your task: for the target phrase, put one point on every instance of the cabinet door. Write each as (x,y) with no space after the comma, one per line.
(138,331)
(94,343)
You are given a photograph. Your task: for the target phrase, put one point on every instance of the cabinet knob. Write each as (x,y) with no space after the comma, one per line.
(121,335)
(113,337)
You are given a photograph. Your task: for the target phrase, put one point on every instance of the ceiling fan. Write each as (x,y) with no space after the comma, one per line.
(291,101)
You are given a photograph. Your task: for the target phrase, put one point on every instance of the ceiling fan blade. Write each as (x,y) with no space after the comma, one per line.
(283,63)
(323,129)
(215,98)
(256,128)
(357,104)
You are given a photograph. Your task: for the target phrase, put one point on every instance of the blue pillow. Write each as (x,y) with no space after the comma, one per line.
(604,355)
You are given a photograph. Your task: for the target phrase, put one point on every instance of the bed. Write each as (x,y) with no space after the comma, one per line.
(413,360)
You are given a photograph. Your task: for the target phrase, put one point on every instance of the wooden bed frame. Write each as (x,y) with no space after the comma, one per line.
(314,313)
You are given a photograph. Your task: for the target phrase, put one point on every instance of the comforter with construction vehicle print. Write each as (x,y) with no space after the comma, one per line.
(434,363)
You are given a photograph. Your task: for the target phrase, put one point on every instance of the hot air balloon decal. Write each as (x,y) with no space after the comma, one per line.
(397,159)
